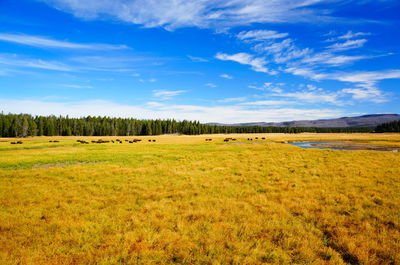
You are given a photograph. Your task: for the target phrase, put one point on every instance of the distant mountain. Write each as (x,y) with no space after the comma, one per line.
(371,120)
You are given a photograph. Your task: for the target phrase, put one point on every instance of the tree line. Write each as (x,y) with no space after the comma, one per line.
(23,125)
(393,126)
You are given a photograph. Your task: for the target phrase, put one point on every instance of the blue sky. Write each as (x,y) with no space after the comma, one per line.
(209,60)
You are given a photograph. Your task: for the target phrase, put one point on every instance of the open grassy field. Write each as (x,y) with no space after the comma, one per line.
(181,200)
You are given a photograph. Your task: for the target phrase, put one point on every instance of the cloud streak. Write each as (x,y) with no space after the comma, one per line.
(260,35)
(167,94)
(173,14)
(223,114)
(43,42)
(257,63)
(16,61)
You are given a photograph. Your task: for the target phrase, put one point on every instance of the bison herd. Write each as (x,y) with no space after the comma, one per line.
(256,138)
(101,141)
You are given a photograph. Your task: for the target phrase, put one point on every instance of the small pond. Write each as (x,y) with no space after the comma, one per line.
(313,145)
(345,146)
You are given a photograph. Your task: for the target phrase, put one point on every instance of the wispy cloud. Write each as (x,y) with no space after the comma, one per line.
(269,103)
(39,41)
(329,58)
(268,86)
(210,85)
(76,86)
(282,52)
(167,94)
(155,110)
(197,59)
(368,94)
(229,100)
(226,76)
(16,61)
(365,82)
(314,97)
(257,63)
(260,35)
(349,35)
(347,45)
(173,14)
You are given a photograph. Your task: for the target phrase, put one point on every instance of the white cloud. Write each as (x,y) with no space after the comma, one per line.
(228,100)
(151,80)
(347,45)
(76,86)
(314,97)
(365,82)
(268,86)
(269,103)
(173,14)
(351,77)
(368,94)
(313,88)
(365,76)
(197,59)
(257,63)
(39,41)
(329,58)
(306,72)
(226,76)
(282,52)
(167,94)
(155,110)
(260,35)
(17,61)
(351,35)
(210,85)
(347,36)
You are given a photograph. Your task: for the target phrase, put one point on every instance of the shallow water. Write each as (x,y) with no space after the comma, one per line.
(310,145)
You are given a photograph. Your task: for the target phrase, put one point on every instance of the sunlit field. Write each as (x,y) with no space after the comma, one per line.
(184,200)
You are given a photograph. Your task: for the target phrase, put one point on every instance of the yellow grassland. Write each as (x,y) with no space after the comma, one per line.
(182,200)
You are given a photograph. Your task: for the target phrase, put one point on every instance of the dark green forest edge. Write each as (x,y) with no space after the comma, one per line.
(23,125)
(393,126)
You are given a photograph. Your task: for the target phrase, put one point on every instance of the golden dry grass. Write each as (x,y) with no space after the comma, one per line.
(182,200)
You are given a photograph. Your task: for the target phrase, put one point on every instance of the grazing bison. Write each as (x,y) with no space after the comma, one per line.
(154,140)
(263,138)
(13,143)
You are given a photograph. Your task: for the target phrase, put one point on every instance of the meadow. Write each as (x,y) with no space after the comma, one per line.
(182,200)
